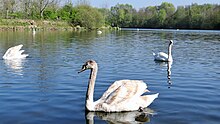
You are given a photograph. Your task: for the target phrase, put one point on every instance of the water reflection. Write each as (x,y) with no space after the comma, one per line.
(123,117)
(15,65)
(169,65)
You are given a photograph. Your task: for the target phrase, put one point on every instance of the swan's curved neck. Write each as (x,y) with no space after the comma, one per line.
(169,53)
(90,90)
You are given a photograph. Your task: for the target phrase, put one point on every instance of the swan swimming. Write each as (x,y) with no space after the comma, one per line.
(161,56)
(122,95)
(15,53)
(99,32)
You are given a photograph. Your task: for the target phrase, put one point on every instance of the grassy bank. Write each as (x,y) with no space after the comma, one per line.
(25,24)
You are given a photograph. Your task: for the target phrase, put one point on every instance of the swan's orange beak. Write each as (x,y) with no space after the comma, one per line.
(82,69)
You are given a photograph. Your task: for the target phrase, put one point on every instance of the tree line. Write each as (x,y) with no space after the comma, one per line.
(206,16)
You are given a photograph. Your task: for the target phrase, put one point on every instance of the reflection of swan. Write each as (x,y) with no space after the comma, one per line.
(161,64)
(161,56)
(122,95)
(121,117)
(33,31)
(15,53)
(169,65)
(15,65)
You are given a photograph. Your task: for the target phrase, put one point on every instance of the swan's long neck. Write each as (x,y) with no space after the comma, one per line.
(90,90)
(169,52)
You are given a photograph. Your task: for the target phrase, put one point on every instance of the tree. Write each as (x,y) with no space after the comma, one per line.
(8,6)
(152,17)
(168,7)
(161,17)
(105,13)
(87,16)
(180,18)
(121,15)
(66,12)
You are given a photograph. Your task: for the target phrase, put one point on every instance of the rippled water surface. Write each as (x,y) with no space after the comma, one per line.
(46,88)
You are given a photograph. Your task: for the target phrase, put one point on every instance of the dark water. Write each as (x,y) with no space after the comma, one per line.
(46,88)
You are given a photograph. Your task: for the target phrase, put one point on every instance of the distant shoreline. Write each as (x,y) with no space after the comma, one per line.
(48,25)
(27,24)
(170,29)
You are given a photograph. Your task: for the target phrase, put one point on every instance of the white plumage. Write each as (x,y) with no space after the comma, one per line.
(15,53)
(99,32)
(122,95)
(161,56)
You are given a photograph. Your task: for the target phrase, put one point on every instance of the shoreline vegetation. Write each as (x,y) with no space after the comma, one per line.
(46,25)
(19,15)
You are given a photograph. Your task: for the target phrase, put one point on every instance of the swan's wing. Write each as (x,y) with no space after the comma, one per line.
(161,56)
(15,52)
(148,99)
(123,90)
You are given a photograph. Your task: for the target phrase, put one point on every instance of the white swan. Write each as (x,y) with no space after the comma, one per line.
(122,95)
(161,56)
(15,53)
(99,32)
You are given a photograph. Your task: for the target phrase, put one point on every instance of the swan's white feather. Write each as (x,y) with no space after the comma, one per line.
(161,56)
(15,53)
(124,95)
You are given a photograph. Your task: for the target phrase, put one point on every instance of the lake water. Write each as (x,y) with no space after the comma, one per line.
(46,88)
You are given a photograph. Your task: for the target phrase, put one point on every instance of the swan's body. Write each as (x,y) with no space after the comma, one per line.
(99,32)
(14,53)
(161,56)
(122,95)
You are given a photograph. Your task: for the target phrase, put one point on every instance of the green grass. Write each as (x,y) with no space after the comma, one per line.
(27,24)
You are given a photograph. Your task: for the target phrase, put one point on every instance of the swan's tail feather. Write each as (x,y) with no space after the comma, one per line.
(149,99)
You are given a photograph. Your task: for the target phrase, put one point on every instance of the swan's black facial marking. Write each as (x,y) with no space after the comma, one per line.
(88,65)
(171,42)
(83,68)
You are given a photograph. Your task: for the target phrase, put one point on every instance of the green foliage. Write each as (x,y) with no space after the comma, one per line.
(86,16)
(121,15)
(206,16)
(50,14)
(195,16)
(65,13)
(168,7)
(161,17)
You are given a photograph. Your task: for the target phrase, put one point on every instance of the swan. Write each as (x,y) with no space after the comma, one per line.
(99,32)
(122,95)
(14,53)
(161,56)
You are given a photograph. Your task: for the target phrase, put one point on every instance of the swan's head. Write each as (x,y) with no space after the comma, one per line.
(90,64)
(171,42)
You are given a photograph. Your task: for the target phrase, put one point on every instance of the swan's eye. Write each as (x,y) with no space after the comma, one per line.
(89,62)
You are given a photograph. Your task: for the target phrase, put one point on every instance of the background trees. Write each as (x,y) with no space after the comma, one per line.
(121,15)
(86,16)
(206,16)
